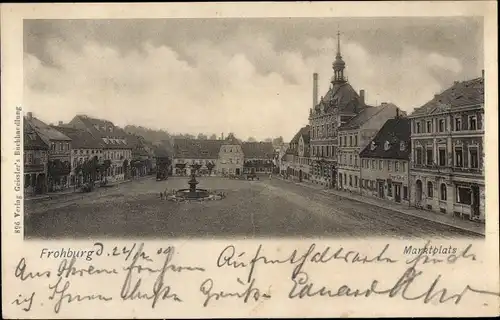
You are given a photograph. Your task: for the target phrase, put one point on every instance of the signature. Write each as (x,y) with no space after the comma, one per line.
(304,288)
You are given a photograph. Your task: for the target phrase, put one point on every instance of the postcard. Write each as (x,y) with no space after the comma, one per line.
(232,160)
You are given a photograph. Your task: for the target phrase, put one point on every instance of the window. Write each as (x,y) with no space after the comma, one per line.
(458,157)
(405,192)
(350,160)
(404,166)
(442,157)
(362,183)
(402,146)
(356,181)
(418,155)
(355,141)
(458,124)
(443,191)
(350,180)
(442,126)
(429,157)
(350,141)
(472,123)
(380,164)
(396,166)
(429,126)
(473,158)
(356,160)
(430,190)
(373,164)
(30,158)
(389,189)
(464,195)
(418,127)
(389,165)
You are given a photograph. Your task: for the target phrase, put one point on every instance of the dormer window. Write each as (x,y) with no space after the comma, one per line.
(387,145)
(402,146)
(373,145)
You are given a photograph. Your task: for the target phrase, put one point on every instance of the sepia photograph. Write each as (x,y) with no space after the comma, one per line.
(289,127)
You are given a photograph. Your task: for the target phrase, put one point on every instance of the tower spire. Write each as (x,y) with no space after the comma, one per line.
(338,65)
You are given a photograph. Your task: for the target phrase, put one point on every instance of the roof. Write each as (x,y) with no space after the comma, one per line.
(465,93)
(138,144)
(99,128)
(394,131)
(231,140)
(361,118)
(80,139)
(46,132)
(305,132)
(341,96)
(32,140)
(258,150)
(160,152)
(196,149)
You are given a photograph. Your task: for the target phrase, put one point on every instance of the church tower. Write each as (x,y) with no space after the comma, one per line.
(338,65)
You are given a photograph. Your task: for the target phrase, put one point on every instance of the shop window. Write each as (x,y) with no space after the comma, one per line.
(464,195)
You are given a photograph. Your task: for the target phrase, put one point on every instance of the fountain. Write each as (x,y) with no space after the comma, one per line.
(194,193)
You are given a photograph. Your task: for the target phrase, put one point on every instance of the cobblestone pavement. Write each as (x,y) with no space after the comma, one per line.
(262,208)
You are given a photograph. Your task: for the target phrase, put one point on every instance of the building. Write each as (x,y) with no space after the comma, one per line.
(338,106)
(143,158)
(35,161)
(385,162)
(258,157)
(59,153)
(353,137)
(448,151)
(116,147)
(162,162)
(297,156)
(227,156)
(195,154)
(231,157)
(84,148)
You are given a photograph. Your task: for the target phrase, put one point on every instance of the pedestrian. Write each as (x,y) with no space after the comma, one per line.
(161,195)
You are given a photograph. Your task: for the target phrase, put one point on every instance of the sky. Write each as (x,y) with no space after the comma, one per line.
(252,76)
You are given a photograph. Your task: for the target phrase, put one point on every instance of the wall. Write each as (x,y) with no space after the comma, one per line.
(230,159)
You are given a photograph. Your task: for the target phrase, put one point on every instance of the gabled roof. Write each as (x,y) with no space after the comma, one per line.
(305,132)
(465,93)
(231,140)
(80,139)
(31,139)
(46,132)
(196,149)
(99,128)
(361,118)
(258,150)
(394,131)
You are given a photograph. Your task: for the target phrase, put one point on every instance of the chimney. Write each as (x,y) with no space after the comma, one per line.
(30,115)
(362,96)
(60,123)
(315,89)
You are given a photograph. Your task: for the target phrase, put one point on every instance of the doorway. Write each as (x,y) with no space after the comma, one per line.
(397,192)
(418,191)
(238,171)
(300,175)
(475,201)
(380,189)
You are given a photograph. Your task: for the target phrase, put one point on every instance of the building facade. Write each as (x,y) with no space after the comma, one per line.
(448,152)
(258,157)
(35,162)
(353,137)
(117,150)
(191,154)
(337,107)
(385,162)
(231,157)
(297,158)
(84,149)
(59,153)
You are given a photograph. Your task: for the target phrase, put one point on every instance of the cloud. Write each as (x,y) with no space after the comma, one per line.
(241,84)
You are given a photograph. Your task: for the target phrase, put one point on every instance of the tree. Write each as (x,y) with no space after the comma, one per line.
(213,136)
(202,136)
(251,139)
(210,167)
(278,141)
(268,140)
